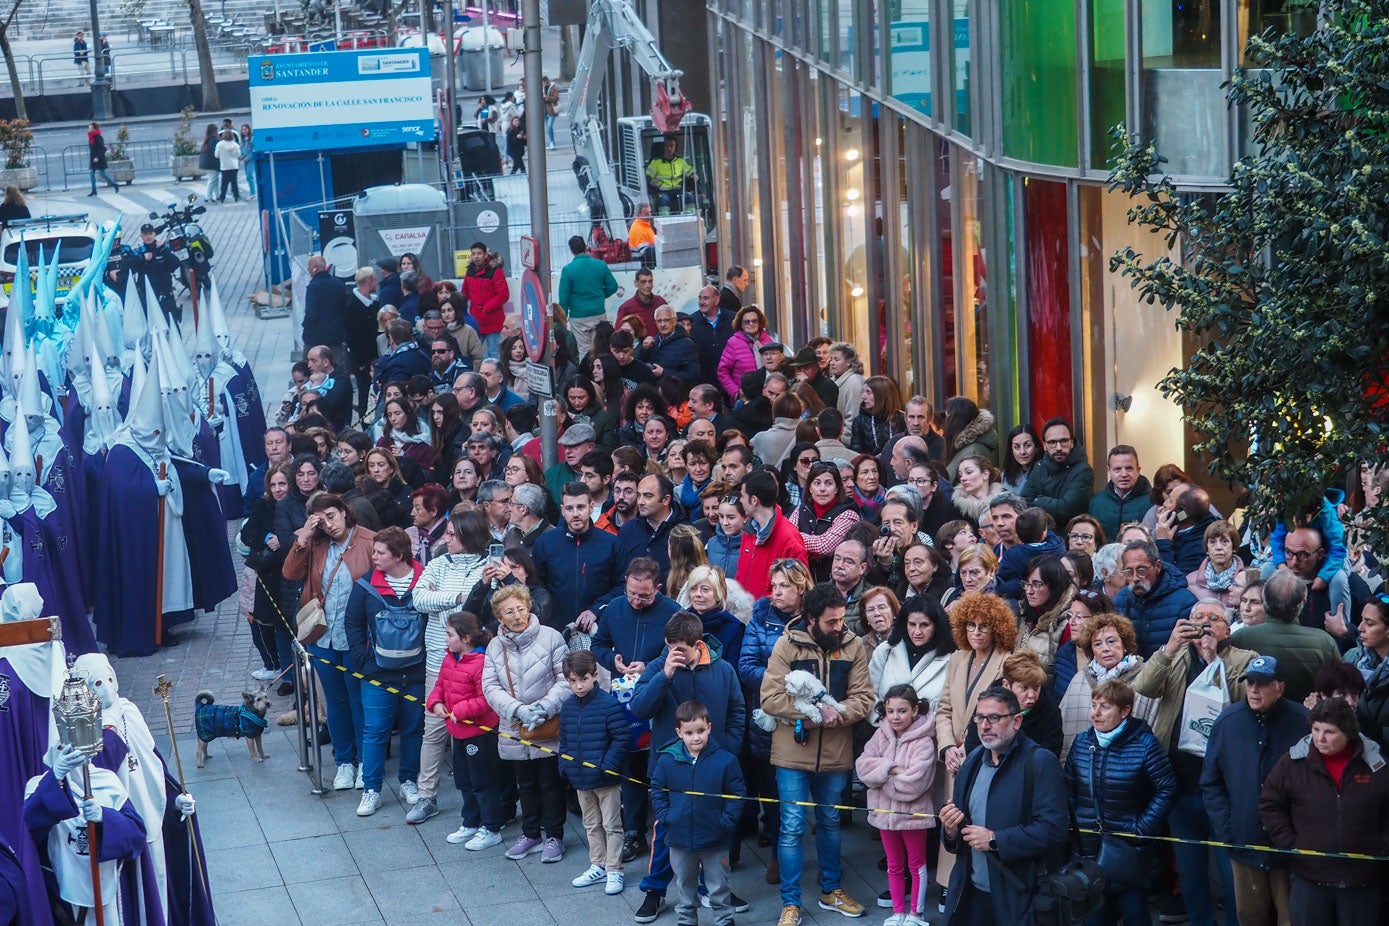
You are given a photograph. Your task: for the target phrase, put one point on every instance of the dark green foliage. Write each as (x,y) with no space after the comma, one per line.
(1285,280)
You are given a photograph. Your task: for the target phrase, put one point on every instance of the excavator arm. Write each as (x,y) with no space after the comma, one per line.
(614,24)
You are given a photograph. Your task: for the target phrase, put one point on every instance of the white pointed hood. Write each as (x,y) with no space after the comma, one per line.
(154,314)
(34,401)
(102,418)
(217,318)
(179,421)
(145,422)
(24,488)
(133,324)
(205,349)
(14,329)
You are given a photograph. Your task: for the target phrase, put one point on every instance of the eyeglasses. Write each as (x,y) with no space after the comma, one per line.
(991,719)
(1077,535)
(1303,554)
(1034,585)
(1061,442)
(1138,572)
(807,461)
(441,351)
(976,626)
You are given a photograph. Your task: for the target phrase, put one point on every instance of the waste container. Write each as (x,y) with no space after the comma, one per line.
(409,218)
(479,55)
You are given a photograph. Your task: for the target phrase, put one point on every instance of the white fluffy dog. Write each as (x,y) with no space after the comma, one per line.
(804,690)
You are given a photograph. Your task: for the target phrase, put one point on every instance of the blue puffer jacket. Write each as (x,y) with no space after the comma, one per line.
(637,636)
(723,552)
(1129,783)
(727,630)
(1012,568)
(1156,613)
(593,729)
(689,822)
(1244,747)
(712,682)
(1065,668)
(759,638)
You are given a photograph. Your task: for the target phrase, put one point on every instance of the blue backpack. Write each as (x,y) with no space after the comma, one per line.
(396,632)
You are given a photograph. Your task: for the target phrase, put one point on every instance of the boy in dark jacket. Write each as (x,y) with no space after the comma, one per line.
(1035,540)
(594,730)
(697,836)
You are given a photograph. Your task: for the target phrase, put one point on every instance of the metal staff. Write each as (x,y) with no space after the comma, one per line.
(159,567)
(77,715)
(162,687)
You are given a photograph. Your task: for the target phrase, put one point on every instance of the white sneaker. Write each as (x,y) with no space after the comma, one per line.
(410,792)
(462,835)
(896,919)
(371,802)
(485,839)
(614,883)
(596,874)
(347,774)
(265,675)
(358,782)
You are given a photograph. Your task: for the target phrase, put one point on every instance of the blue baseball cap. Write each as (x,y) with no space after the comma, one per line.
(1261,669)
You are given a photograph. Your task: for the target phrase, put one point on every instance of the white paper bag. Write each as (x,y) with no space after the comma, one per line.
(1205,699)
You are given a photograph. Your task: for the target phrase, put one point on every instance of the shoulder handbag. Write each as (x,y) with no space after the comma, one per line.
(1064,897)
(548,730)
(311,623)
(1126,864)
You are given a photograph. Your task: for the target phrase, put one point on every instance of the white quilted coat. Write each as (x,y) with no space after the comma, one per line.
(536,656)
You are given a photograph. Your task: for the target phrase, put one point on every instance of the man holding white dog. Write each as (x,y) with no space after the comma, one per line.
(813,760)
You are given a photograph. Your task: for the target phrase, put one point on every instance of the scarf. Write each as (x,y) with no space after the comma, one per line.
(1100,674)
(1106,738)
(1373,668)
(1221,581)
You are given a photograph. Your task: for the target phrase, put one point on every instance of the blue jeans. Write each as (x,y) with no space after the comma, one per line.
(342,701)
(1188,820)
(104,176)
(382,711)
(824,788)
(491,343)
(550,129)
(1129,908)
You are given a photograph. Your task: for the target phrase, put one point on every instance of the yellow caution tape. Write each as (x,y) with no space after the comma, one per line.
(1174,840)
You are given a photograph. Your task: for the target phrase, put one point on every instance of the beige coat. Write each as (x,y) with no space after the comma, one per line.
(1165,678)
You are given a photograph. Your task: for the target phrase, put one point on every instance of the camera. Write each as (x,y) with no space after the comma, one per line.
(885,531)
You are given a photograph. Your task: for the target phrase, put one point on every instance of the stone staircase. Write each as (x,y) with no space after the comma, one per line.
(48,19)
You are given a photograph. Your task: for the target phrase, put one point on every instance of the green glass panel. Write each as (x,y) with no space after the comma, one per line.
(1040,113)
(1107,105)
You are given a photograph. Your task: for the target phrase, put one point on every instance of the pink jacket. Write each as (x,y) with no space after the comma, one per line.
(739,359)
(898,772)
(460,690)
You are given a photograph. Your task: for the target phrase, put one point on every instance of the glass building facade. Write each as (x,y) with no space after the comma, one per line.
(925,179)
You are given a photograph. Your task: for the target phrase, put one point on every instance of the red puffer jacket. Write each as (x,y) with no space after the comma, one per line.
(460,690)
(488,292)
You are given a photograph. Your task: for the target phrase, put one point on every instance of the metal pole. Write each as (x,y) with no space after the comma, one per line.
(446,140)
(486,49)
(307,680)
(101,83)
(337,25)
(539,188)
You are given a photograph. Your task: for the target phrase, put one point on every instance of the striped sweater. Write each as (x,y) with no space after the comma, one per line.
(444,584)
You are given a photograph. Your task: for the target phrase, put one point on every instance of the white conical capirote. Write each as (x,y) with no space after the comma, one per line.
(145,421)
(22,468)
(133,324)
(205,348)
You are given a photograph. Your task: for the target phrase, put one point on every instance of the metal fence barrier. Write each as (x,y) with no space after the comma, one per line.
(148,157)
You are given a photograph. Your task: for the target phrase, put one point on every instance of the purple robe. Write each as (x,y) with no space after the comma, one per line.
(59,588)
(23,741)
(127,526)
(188,901)
(250,415)
(68,524)
(122,838)
(209,556)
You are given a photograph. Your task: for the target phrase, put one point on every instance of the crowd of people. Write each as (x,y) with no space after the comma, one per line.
(755,571)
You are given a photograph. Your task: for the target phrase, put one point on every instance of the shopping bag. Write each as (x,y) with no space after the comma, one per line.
(1205,699)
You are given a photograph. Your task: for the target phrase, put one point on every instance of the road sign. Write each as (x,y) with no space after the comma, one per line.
(534,315)
(530,253)
(538,380)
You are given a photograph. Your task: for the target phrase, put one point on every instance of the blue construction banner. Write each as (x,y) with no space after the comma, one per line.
(341,99)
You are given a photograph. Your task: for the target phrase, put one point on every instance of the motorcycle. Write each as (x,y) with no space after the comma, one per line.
(185,237)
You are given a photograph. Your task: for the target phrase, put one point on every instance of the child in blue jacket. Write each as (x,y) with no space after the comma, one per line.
(1322,514)
(698,830)
(595,733)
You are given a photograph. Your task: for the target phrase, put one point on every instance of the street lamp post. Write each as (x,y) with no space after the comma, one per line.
(101,82)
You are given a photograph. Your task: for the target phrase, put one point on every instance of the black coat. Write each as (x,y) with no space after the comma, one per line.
(388,291)
(96,149)
(1026,835)
(264,561)
(359,331)
(325,307)
(1241,752)
(1130,783)
(870,433)
(709,342)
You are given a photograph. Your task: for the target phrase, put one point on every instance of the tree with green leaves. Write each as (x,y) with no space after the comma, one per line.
(11,66)
(1284,280)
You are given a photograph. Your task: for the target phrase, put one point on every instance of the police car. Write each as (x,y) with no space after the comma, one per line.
(73,236)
